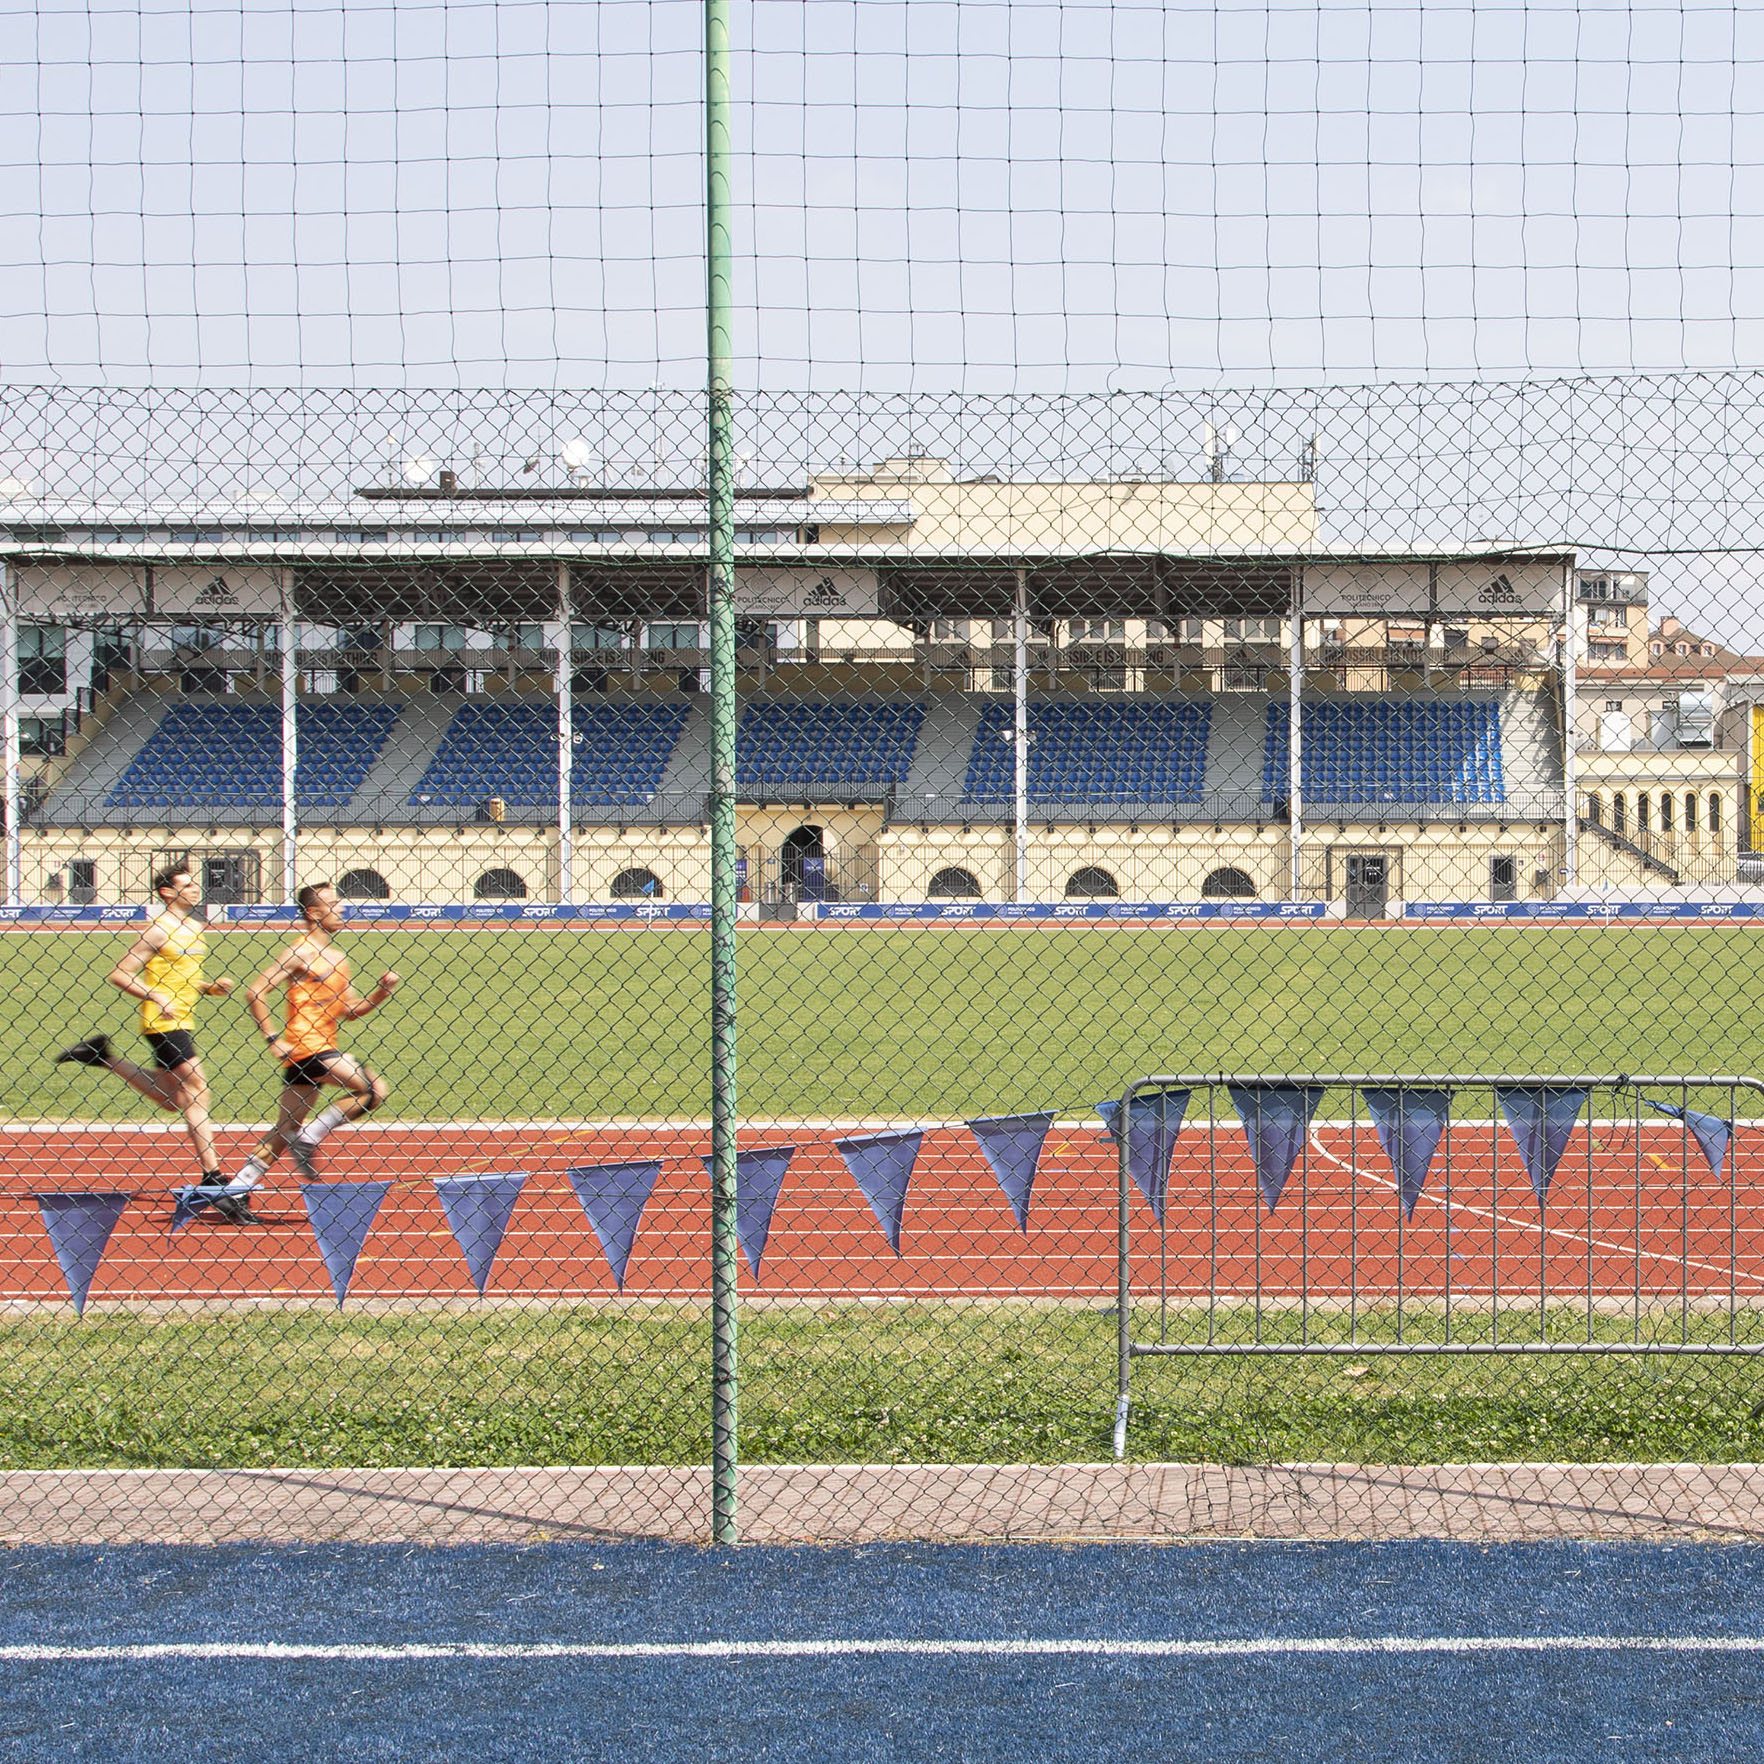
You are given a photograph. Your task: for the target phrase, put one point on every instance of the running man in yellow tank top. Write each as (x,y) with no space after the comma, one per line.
(316,974)
(163,969)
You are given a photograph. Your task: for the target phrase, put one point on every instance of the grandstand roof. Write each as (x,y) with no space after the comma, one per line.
(938,547)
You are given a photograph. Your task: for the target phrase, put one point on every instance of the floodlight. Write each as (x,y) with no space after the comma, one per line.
(576,455)
(418,469)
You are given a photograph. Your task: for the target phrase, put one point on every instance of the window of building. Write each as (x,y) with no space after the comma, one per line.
(526,636)
(954,883)
(1097,631)
(1193,631)
(1714,821)
(597,637)
(439,639)
(1252,630)
(636,884)
(1456,638)
(42,659)
(1665,811)
(1643,810)
(1608,616)
(949,630)
(1595,810)
(363,885)
(1092,882)
(1228,884)
(1681,649)
(1410,636)
(674,637)
(1707,649)
(1656,650)
(500,884)
(45,735)
(1613,704)
(757,634)
(1690,811)
(1620,812)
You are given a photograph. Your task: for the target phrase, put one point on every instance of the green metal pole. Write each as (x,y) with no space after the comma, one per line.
(725,1381)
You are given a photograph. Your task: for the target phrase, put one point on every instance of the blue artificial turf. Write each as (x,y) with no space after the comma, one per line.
(1535,1707)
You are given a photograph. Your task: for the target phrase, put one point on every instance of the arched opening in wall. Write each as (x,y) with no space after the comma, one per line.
(363,885)
(1690,811)
(499,884)
(1228,884)
(1714,821)
(1595,810)
(802,865)
(1642,811)
(954,883)
(1665,811)
(1619,813)
(1092,882)
(636,885)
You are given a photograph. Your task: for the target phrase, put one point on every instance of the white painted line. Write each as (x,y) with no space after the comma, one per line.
(857,1124)
(1222,1647)
(1531,1227)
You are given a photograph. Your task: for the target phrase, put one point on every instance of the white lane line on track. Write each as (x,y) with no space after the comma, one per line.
(696,1124)
(1531,1225)
(1222,1647)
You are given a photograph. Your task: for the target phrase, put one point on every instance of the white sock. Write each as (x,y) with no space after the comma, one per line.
(249,1177)
(315,1130)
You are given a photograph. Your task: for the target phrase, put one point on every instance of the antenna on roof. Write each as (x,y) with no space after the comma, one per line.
(1217,445)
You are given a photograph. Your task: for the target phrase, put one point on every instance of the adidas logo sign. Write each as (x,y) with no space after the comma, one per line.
(1500,592)
(217,593)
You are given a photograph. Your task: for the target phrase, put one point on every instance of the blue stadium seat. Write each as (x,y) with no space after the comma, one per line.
(1379,750)
(230,756)
(509,750)
(781,749)
(1127,752)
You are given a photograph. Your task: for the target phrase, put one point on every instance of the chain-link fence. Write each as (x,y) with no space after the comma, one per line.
(356,953)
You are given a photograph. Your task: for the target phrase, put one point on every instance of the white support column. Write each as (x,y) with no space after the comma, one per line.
(1020,728)
(9,733)
(566,740)
(1570,718)
(290,741)
(1295,686)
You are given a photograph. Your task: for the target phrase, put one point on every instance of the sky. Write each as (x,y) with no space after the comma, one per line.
(1375,227)
(973,196)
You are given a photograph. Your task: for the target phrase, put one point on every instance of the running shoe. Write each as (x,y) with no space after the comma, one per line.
(93,1051)
(233,1209)
(301,1153)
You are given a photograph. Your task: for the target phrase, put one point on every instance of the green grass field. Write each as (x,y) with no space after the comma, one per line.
(844,1021)
(860,1021)
(828,1384)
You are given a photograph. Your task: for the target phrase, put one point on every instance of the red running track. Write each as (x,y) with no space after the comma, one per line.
(1628,1213)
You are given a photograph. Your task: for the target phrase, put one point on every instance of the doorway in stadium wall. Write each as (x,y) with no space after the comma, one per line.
(802,865)
(1367,882)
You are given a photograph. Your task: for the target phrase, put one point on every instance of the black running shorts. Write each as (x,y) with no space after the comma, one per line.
(310,1070)
(172,1048)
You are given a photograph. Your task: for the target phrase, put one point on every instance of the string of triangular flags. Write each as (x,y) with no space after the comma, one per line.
(1410,1122)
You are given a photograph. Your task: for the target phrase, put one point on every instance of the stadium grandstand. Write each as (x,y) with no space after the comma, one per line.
(951,690)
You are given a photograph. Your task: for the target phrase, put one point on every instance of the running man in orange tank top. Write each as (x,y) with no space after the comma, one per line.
(320,999)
